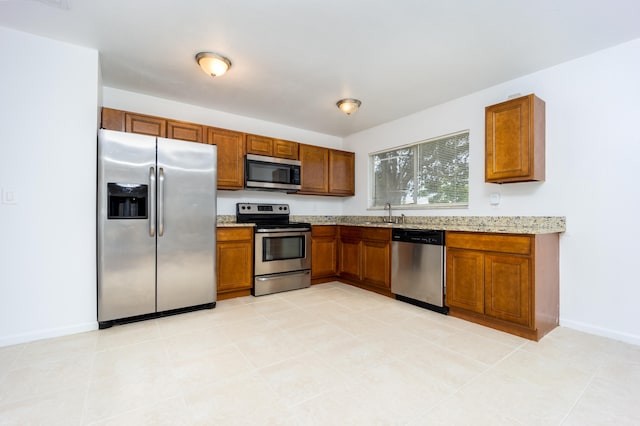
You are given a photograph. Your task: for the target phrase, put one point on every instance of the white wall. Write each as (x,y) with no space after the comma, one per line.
(593,153)
(300,205)
(48,102)
(47,254)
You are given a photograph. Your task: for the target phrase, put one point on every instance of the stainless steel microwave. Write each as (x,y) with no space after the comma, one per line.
(270,173)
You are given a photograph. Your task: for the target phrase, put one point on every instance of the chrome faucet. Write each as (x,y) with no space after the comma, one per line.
(390,218)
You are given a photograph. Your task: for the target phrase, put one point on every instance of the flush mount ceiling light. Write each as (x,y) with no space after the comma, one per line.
(349,105)
(212,63)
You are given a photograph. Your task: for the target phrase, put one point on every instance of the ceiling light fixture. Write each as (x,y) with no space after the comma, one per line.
(349,105)
(213,64)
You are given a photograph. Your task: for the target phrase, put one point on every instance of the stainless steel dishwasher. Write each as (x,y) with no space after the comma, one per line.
(417,267)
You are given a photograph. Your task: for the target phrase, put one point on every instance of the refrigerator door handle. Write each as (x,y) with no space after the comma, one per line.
(152,202)
(160,202)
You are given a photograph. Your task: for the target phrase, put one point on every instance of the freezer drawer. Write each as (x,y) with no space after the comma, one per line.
(267,284)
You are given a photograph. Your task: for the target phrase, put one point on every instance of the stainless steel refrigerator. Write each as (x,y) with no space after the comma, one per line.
(156,226)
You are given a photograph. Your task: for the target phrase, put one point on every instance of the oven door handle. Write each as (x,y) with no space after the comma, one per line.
(283,274)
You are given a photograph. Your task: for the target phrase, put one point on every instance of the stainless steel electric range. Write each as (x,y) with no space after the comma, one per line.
(282,255)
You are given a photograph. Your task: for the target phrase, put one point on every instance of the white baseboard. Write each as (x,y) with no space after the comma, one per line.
(47,334)
(634,339)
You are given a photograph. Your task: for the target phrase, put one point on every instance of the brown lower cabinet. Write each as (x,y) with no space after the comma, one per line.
(364,257)
(506,281)
(324,252)
(234,257)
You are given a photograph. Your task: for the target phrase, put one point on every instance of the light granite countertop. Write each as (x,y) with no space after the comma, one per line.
(498,224)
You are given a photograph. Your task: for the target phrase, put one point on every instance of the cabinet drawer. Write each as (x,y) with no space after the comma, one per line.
(377,234)
(351,232)
(507,243)
(234,234)
(323,231)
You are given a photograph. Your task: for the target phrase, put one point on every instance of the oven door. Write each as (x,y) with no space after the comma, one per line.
(277,252)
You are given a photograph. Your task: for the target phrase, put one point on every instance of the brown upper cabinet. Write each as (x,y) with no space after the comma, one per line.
(341,172)
(326,171)
(230,157)
(112,119)
(259,145)
(285,149)
(262,145)
(314,175)
(515,140)
(185,131)
(124,121)
(145,124)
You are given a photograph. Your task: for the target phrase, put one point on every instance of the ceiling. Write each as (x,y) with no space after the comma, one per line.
(294,59)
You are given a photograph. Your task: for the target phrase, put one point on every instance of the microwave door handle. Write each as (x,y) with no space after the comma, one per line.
(152,202)
(160,202)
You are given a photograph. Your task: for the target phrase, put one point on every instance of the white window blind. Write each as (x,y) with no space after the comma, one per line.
(430,173)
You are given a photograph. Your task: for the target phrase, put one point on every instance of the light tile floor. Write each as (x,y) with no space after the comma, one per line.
(328,355)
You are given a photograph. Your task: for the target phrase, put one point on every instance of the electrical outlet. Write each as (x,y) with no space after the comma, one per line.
(8,197)
(494,199)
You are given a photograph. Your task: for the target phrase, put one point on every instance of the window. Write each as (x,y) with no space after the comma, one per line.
(431,173)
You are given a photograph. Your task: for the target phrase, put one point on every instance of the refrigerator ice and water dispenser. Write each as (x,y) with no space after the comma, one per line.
(127,201)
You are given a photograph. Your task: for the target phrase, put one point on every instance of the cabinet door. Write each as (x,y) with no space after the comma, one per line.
(514,141)
(112,119)
(234,259)
(314,177)
(184,131)
(341,172)
(324,251)
(507,288)
(285,149)
(145,124)
(259,145)
(376,265)
(349,252)
(230,157)
(465,279)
